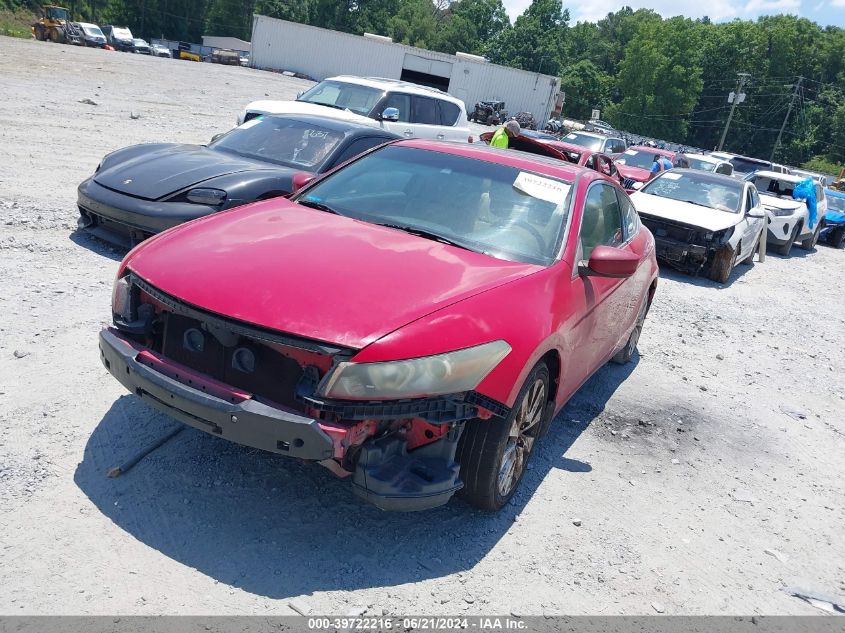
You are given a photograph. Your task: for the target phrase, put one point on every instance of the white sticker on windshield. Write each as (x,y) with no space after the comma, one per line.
(670,176)
(250,123)
(546,189)
(631,152)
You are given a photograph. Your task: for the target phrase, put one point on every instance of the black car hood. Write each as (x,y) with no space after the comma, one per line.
(164,170)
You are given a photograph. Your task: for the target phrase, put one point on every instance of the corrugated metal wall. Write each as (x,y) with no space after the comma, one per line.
(321,53)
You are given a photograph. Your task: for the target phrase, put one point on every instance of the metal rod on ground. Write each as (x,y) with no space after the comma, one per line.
(117,471)
(742,79)
(761,249)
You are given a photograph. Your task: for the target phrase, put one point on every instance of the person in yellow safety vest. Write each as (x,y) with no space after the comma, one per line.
(501,137)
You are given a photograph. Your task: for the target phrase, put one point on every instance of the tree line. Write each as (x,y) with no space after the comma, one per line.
(663,78)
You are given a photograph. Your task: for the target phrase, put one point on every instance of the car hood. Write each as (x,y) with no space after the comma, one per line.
(684,212)
(634,173)
(170,168)
(324,277)
(303,107)
(773,202)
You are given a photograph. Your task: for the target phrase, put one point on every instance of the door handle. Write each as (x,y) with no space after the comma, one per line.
(409,133)
(440,137)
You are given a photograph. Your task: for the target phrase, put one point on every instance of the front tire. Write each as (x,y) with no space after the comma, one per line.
(723,265)
(493,453)
(836,237)
(810,243)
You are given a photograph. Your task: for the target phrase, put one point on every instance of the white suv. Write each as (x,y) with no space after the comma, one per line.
(789,219)
(403,108)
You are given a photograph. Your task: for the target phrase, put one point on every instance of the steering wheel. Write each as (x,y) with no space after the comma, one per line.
(533,231)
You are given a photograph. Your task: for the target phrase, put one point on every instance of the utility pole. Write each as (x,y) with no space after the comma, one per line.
(743,77)
(786,118)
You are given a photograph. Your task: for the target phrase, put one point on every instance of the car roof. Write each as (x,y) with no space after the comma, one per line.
(834,193)
(705,157)
(705,176)
(512,158)
(88,24)
(383,83)
(778,175)
(335,125)
(585,133)
(652,150)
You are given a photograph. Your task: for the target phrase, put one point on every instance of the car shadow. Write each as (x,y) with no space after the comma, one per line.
(276,527)
(83,238)
(701,281)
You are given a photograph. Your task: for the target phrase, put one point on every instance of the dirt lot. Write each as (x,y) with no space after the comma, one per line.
(707,476)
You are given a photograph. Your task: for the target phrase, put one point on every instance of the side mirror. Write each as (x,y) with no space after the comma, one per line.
(607,261)
(300,93)
(299,180)
(637,185)
(390,114)
(756,212)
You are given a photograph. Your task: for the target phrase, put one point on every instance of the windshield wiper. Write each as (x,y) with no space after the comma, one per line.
(429,235)
(698,204)
(328,105)
(313,204)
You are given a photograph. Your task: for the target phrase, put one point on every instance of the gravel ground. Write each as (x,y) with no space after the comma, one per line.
(704,478)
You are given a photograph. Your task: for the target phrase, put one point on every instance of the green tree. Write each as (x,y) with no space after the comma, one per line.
(660,78)
(536,41)
(585,86)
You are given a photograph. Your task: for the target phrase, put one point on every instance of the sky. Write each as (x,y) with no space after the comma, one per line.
(825,12)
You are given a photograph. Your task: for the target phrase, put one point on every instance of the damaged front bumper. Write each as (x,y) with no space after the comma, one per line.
(339,435)
(690,258)
(211,407)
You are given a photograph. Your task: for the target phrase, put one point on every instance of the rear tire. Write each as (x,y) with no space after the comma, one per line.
(624,355)
(494,453)
(784,249)
(836,237)
(810,243)
(722,266)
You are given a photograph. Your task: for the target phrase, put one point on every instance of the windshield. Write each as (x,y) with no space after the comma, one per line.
(93,31)
(139,43)
(636,158)
(698,189)
(702,165)
(281,141)
(58,13)
(835,204)
(358,99)
(584,140)
(479,205)
(743,166)
(773,187)
(121,33)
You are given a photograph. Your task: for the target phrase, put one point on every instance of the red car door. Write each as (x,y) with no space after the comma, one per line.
(606,306)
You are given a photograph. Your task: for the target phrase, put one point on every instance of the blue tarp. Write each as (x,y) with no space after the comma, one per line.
(806,190)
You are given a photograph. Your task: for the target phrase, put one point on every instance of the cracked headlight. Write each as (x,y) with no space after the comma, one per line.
(453,372)
(121,298)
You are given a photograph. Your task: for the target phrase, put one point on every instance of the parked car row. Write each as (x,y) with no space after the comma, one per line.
(410,313)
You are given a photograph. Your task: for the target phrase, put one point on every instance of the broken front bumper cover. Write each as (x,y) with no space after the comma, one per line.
(386,474)
(688,257)
(228,415)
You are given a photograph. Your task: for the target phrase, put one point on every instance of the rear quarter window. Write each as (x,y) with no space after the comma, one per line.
(449,113)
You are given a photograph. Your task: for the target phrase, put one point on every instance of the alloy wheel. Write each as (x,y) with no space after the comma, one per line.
(521,437)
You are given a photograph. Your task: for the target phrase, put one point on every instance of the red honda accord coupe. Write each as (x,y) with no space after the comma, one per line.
(413,319)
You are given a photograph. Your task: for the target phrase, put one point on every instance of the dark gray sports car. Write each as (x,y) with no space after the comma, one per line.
(144,189)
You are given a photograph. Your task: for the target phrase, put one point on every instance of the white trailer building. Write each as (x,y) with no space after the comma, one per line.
(320,53)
